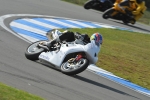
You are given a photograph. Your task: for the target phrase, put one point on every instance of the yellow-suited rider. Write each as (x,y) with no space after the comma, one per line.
(140,9)
(137,7)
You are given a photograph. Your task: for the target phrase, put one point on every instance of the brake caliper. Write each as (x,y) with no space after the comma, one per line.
(78,57)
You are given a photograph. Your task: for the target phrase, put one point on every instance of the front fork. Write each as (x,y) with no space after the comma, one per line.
(76,59)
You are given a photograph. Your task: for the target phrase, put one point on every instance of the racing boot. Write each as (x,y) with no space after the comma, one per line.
(129,14)
(50,43)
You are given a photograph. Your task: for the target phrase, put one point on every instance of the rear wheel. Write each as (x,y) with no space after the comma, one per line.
(33,51)
(75,67)
(107,14)
(129,21)
(133,21)
(125,22)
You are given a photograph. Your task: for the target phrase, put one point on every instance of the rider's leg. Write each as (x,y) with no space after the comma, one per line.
(50,43)
(129,14)
(67,36)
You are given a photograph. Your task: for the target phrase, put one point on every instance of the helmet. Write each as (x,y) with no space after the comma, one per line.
(139,1)
(97,37)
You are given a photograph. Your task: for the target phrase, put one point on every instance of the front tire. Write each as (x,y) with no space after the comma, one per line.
(88,4)
(74,68)
(33,51)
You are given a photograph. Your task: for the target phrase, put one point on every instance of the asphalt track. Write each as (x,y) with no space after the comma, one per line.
(17,71)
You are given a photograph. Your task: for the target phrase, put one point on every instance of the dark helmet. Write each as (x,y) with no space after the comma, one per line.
(139,1)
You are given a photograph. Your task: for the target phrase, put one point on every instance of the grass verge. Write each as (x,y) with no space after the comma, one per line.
(9,93)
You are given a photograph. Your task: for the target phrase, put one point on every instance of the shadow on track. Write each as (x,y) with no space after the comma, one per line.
(101,85)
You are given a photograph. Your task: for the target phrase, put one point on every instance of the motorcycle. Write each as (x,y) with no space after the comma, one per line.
(69,57)
(100,5)
(120,13)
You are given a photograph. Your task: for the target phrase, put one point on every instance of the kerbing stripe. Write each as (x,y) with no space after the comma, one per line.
(51,23)
(78,25)
(33,25)
(27,28)
(42,24)
(59,22)
(125,83)
(68,22)
(29,33)
(81,23)
(91,24)
(105,26)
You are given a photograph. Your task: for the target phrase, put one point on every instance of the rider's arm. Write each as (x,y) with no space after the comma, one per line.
(139,9)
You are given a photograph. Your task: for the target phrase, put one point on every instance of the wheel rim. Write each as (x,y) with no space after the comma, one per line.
(34,48)
(73,66)
(105,16)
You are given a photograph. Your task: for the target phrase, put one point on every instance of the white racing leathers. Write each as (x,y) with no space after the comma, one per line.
(92,51)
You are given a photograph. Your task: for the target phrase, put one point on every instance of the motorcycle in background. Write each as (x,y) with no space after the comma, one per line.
(100,5)
(120,13)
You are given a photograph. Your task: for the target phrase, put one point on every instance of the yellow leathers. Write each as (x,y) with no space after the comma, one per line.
(139,10)
(136,9)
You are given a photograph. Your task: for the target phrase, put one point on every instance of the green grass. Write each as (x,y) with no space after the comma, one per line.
(125,54)
(9,93)
(145,18)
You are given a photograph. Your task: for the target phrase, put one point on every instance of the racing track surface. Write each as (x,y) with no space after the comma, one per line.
(17,71)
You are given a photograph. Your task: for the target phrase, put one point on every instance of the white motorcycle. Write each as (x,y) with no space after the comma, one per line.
(69,57)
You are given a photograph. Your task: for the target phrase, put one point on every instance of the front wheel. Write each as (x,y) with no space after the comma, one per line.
(75,67)
(33,51)
(88,4)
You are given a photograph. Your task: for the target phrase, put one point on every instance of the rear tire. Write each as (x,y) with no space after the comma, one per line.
(107,13)
(125,22)
(133,21)
(80,66)
(33,51)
